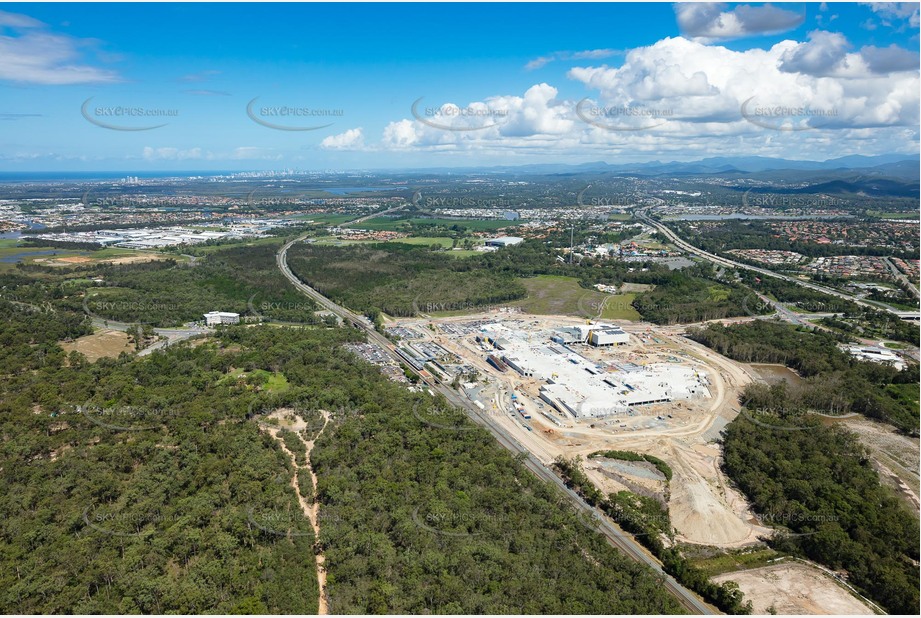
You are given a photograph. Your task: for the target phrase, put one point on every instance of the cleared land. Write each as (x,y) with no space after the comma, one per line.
(793,588)
(554,295)
(101,344)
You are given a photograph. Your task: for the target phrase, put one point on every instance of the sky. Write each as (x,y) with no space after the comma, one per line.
(92,87)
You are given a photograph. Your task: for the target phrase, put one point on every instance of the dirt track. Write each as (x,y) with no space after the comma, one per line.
(312,511)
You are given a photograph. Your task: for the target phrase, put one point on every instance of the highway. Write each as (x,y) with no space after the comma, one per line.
(682,244)
(615,535)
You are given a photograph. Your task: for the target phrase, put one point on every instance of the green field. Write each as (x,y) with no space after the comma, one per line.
(556,295)
(892,215)
(736,560)
(384,223)
(332,218)
(424,241)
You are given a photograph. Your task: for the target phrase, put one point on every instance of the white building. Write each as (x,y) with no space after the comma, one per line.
(214,318)
(503,241)
(606,336)
(876,355)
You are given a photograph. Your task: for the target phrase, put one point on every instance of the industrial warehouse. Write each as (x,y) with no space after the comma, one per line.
(578,387)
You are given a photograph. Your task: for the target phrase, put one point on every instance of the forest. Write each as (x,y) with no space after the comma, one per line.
(834,382)
(820,486)
(165,293)
(145,485)
(400,280)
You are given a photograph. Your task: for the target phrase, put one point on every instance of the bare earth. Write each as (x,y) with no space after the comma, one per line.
(103,343)
(794,588)
(312,511)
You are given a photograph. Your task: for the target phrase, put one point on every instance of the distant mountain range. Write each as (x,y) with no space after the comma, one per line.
(893,165)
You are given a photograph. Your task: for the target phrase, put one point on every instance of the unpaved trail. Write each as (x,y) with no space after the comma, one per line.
(312,511)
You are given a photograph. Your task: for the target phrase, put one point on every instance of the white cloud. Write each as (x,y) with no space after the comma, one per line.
(172,154)
(684,98)
(711,20)
(893,11)
(241,153)
(16,20)
(589,54)
(353,139)
(827,54)
(30,53)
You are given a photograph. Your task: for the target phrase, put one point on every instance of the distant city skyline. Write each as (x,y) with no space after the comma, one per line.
(214,87)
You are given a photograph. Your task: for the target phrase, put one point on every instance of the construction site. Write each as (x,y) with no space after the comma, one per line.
(566,387)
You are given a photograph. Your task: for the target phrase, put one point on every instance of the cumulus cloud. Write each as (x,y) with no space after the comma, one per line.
(824,54)
(827,54)
(353,139)
(685,97)
(889,59)
(896,11)
(31,53)
(711,20)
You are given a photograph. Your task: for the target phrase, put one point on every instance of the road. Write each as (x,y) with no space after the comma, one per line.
(615,535)
(898,274)
(682,244)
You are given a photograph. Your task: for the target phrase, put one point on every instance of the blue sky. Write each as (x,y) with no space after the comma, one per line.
(499,84)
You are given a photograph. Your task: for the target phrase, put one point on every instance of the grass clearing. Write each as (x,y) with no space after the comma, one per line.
(557,295)
(736,560)
(103,343)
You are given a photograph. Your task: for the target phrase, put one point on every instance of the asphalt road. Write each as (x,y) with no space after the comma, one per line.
(682,244)
(615,535)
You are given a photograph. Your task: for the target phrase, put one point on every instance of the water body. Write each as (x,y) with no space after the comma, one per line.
(13,258)
(770,372)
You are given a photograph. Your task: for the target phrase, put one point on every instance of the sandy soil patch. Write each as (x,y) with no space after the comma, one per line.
(104,343)
(896,456)
(794,588)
